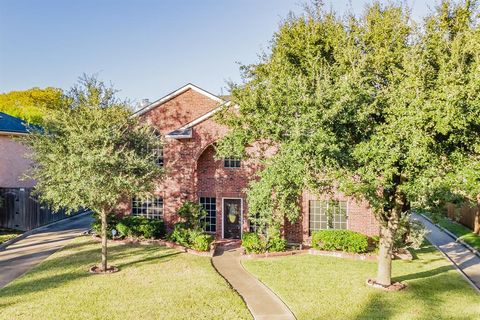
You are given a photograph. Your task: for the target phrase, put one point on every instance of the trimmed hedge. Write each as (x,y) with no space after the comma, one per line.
(344,240)
(140,227)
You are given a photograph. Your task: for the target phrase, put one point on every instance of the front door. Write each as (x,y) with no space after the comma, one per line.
(232,218)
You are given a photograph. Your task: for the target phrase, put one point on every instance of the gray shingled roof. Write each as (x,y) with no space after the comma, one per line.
(12,124)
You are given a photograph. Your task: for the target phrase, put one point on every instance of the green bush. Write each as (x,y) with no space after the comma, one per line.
(192,214)
(112,221)
(136,227)
(258,243)
(253,243)
(200,241)
(276,244)
(343,240)
(191,238)
(180,235)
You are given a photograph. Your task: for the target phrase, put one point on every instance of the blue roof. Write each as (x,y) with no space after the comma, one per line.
(12,124)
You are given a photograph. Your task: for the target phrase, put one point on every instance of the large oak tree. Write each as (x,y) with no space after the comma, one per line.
(365,104)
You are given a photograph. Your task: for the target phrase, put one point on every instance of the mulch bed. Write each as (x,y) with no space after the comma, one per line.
(341,254)
(98,270)
(397,286)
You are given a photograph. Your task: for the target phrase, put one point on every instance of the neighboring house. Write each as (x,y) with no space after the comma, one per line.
(12,153)
(185,119)
(18,208)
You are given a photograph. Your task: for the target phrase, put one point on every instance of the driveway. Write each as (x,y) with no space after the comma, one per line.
(21,256)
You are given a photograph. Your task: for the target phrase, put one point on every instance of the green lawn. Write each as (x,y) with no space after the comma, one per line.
(7,234)
(316,287)
(154,283)
(459,230)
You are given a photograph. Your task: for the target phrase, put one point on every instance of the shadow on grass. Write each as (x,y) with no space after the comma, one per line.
(428,289)
(72,263)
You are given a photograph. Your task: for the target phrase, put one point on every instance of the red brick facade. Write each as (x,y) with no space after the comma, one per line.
(192,171)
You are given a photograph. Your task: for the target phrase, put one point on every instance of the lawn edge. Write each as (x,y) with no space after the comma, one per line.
(453,236)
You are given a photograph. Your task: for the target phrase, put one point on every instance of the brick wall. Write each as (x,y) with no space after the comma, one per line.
(193,172)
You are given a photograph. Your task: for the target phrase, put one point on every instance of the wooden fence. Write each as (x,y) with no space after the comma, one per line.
(465,214)
(20,210)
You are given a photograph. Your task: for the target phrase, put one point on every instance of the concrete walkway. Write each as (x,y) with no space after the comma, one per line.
(459,255)
(260,300)
(21,256)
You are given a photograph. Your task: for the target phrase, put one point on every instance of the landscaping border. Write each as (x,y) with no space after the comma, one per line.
(163,243)
(272,254)
(453,236)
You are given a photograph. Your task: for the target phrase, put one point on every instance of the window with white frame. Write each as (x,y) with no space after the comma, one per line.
(327,214)
(150,207)
(231,162)
(210,220)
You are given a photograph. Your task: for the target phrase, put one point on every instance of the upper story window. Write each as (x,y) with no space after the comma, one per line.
(158,153)
(231,162)
(327,214)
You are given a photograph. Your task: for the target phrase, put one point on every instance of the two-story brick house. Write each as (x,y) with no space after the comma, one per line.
(185,119)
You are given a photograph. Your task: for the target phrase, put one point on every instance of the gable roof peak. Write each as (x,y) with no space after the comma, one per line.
(175,93)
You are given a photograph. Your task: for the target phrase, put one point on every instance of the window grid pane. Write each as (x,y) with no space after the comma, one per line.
(232,162)
(210,220)
(151,207)
(327,214)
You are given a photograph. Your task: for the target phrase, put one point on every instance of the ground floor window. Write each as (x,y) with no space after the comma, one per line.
(150,207)
(210,205)
(327,214)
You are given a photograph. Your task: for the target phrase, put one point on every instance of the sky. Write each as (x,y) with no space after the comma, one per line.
(145,48)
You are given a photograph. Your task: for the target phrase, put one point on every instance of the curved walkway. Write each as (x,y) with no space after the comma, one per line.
(260,300)
(463,259)
(22,255)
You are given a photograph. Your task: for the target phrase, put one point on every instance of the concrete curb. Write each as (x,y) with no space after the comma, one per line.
(4,245)
(453,236)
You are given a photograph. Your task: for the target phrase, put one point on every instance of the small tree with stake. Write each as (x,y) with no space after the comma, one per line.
(93,154)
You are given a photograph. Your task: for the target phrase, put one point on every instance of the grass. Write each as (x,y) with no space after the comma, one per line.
(154,283)
(316,287)
(7,234)
(458,229)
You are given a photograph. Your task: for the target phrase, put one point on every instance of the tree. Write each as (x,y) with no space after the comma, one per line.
(349,104)
(93,154)
(31,105)
(452,42)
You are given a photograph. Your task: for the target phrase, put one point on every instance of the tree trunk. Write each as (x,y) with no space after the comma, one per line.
(103,216)
(476,224)
(387,237)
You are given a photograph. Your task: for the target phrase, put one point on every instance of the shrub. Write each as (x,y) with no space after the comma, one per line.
(111,223)
(343,240)
(275,242)
(192,214)
(410,234)
(253,243)
(191,238)
(180,235)
(200,241)
(132,226)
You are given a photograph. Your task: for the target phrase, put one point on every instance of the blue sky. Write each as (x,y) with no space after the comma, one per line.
(146,48)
